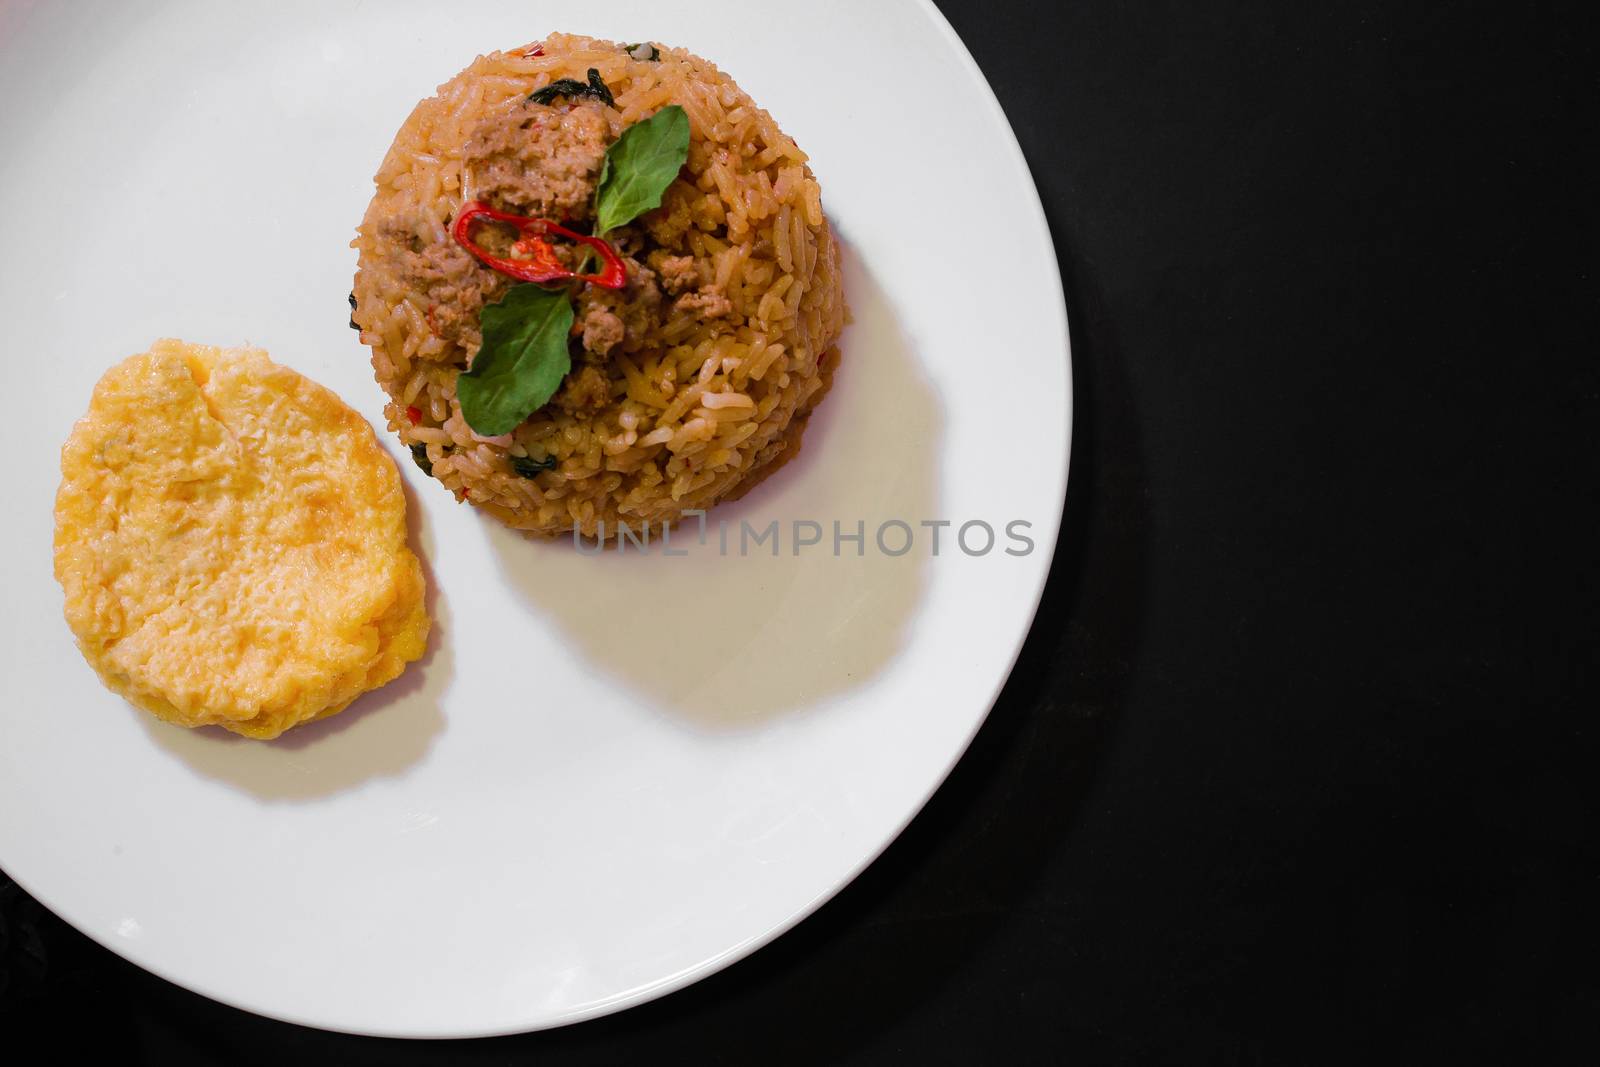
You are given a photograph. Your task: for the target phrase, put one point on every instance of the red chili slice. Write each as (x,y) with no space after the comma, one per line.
(541,265)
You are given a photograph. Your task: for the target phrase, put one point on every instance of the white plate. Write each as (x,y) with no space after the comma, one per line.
(610,776)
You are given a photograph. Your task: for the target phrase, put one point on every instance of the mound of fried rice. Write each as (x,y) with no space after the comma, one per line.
(711,386)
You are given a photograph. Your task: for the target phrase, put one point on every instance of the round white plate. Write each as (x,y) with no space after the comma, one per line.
(610,776)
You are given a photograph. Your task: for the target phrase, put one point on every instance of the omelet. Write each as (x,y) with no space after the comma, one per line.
(231,540)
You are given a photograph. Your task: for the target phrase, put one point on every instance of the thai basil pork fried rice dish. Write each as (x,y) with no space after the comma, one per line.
(598,285)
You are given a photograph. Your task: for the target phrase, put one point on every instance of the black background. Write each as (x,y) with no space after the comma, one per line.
(1298,763)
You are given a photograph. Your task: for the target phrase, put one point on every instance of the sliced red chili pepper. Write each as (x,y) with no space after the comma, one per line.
(541,264)
(414,414)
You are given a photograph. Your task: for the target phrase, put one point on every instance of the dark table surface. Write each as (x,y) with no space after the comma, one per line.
(1298,763)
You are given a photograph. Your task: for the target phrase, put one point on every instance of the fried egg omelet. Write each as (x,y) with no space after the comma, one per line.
(231,540)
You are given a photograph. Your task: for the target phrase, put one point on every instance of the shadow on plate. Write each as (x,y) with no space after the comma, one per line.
(381,734)
(953,904)
(725,639)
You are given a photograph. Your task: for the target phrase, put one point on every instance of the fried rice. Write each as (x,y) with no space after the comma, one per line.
(689,385)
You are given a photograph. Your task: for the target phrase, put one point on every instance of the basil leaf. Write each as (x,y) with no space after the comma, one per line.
(559,87)
(639,166)
(527,466)
(419,455)
(573,87)
(598,88)
(522,361)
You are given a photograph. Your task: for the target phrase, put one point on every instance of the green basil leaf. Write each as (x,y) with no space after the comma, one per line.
(595,87)
(527,466)
(522,361)
(419,455)
(598,88)
(639,166)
